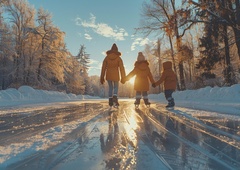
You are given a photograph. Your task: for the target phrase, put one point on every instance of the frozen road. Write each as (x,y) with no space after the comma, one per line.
(124,138)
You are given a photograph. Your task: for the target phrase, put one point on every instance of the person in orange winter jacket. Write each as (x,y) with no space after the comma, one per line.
(169,79)
(111,66)
(143,75)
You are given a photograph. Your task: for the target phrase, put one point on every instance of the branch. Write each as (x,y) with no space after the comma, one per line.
(224,20)
(187,29)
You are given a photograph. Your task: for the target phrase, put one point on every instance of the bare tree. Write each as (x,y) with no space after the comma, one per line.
(21,17)
(6,53)
(52,50)
(162,16)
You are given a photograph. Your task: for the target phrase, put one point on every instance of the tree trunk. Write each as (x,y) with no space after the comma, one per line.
(180,64)
(174,64)
(41,60)
(227,57)
(237,28)
(182,81)
(179,42)
(159,62)
(237,39)
(39,69)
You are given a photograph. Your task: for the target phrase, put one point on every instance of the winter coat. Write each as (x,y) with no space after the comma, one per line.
(168,77)
(143,75)
(111,66)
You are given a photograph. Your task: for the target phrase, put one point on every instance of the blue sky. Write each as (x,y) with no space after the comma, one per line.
(98,24)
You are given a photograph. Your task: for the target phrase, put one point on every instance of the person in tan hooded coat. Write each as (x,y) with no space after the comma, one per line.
(169,79)
(111,66)
(143,76)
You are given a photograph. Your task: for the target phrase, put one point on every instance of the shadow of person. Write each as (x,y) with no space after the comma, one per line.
(108,145)
(171,143)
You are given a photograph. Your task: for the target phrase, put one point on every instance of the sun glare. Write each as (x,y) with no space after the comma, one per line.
(132,80)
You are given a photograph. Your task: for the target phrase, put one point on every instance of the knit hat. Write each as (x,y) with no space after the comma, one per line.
(114,49)
(140,57)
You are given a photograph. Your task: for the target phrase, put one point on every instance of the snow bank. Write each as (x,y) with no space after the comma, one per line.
(216,99)
(26,94)
(227,94)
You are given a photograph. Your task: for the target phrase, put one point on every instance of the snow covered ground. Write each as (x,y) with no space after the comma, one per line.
(223,100)
(26,95)
(219,99)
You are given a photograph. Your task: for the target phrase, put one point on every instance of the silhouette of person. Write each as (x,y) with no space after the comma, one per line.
(143,76)
(111,66)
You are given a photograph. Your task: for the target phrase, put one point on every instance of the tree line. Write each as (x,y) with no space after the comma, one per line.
(201,38)
(33,52)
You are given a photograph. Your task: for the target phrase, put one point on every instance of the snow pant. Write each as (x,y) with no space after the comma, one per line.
(113,88)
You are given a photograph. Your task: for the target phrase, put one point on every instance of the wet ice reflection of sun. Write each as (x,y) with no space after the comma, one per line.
(131,127)
(133,123)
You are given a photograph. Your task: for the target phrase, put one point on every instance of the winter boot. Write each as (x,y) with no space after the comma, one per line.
(137,101)
(115,101)
(110,101)
(170,103)
(147,103)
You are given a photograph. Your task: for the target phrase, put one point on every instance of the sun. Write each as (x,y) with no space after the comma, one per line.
(132,80)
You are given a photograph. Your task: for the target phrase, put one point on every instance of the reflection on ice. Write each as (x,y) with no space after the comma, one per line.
(185,143)
(91,137)
(116,145)
(130,130)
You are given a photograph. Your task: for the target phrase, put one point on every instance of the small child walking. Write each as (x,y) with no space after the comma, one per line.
(111,66)
(170,82)
(143,75)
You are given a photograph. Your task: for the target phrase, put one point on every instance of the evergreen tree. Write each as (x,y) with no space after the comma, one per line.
(216,36)
(84,60)
(209,44)
(73,80)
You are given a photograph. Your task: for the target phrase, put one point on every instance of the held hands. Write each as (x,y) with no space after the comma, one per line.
(154,85)
(123,80)
(102,80)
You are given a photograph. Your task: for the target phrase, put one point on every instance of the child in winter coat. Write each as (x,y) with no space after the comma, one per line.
(143,75)
(111,66)
(170,82)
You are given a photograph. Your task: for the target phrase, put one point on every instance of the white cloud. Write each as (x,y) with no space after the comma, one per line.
(87,36)
(102,29)
(94,65)
(91,61)
(103,53)
(139,42)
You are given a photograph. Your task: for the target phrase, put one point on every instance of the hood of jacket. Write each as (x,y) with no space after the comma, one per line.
(167,65)
(141,65)
(112,56)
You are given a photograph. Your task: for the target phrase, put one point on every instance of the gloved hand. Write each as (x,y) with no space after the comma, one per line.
(154,85)
(102,80)
(123,80)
